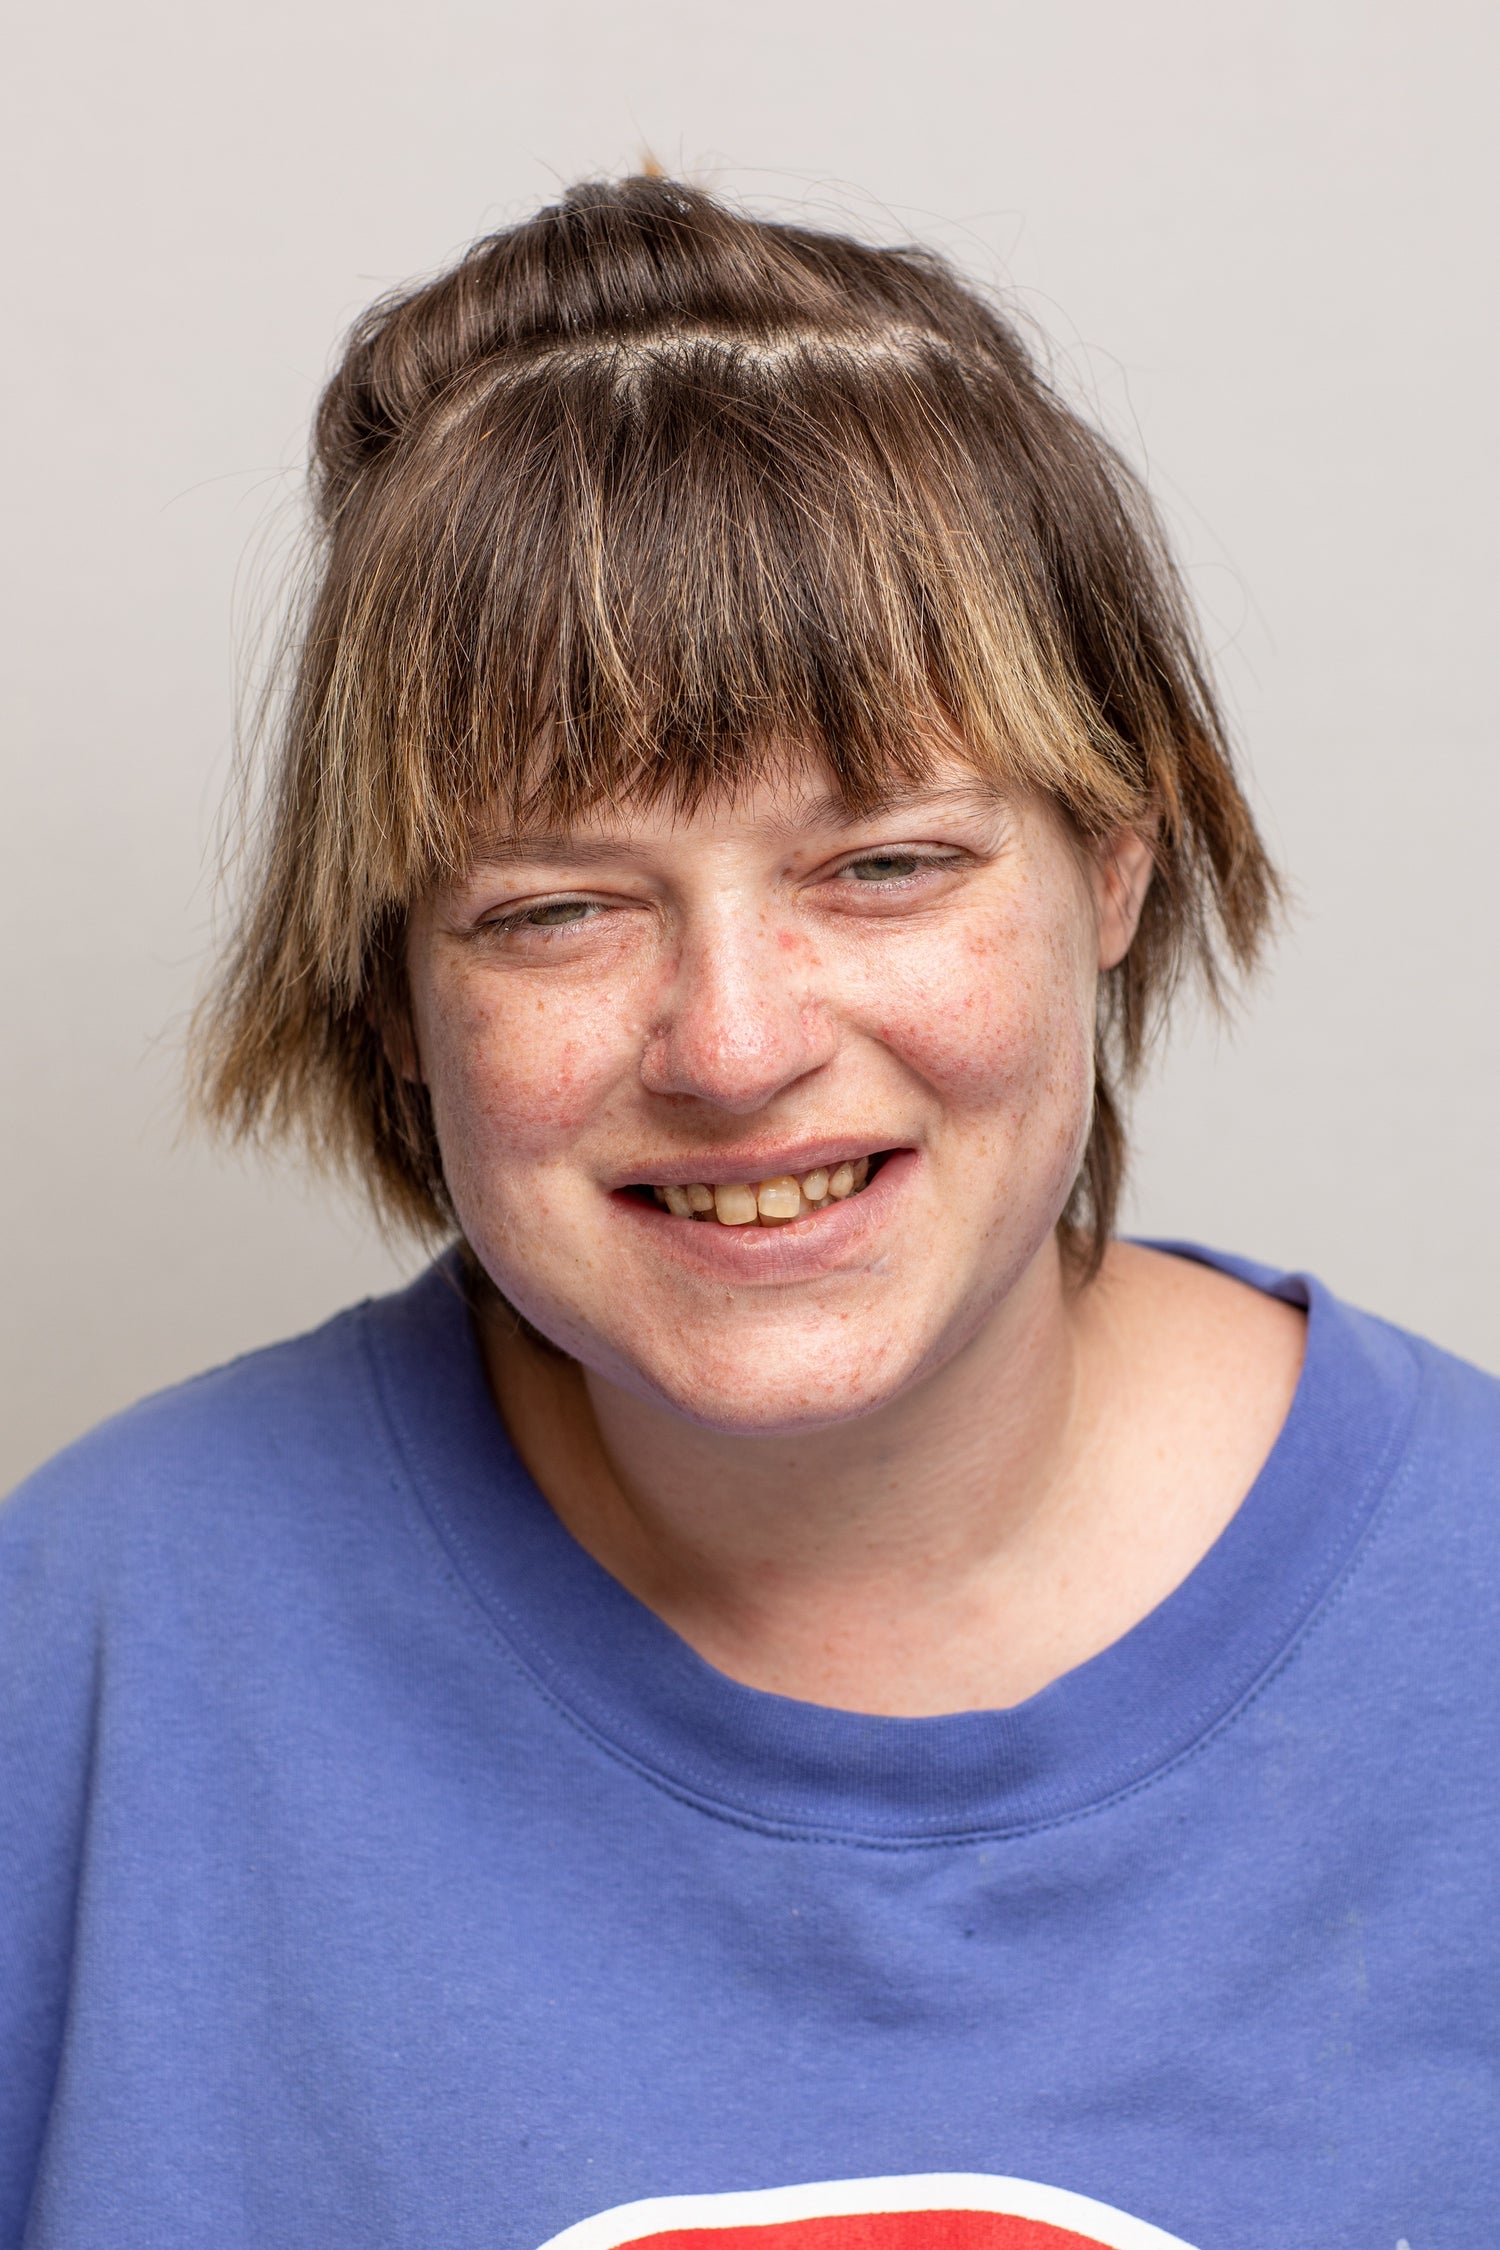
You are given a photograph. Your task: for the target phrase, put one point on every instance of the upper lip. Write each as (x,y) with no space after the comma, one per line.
(722,1167)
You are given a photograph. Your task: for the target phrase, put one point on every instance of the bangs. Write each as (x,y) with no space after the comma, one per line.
(652,569)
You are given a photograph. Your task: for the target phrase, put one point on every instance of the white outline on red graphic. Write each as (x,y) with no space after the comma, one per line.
(830,2199)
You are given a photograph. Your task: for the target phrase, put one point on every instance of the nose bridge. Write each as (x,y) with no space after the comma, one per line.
(737,1021)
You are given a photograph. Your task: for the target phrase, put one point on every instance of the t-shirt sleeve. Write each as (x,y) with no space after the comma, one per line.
(51,1654)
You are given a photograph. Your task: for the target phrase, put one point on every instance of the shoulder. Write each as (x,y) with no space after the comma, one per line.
(201,1463)
(1456,1417)
(195,1544)
(1203,1369)
(1442,1412)
(1206,1304)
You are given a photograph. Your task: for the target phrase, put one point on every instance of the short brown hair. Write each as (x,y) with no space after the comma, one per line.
(636,494)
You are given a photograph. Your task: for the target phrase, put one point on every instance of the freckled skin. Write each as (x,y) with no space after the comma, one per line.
(732,978)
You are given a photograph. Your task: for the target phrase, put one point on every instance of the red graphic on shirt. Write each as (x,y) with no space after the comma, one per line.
(879,2230)
(910,2211)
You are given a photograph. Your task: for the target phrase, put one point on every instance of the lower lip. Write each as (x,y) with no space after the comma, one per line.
(800,1250)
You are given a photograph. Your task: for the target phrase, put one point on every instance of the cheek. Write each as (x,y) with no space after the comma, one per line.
(1000,1014)
(519,1071)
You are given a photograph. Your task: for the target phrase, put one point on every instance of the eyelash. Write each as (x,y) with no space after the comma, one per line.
(923,863)
(520,918)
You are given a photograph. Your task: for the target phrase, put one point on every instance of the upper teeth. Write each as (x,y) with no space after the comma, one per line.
(742,1203)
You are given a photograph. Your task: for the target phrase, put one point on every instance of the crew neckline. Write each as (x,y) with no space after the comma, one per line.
(1099,1731)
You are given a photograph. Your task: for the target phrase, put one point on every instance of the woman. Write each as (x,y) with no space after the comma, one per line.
(792,1688)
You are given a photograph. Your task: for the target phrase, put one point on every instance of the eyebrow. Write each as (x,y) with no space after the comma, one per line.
(579,848)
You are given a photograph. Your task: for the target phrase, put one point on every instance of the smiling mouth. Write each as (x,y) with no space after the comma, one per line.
(773,1202)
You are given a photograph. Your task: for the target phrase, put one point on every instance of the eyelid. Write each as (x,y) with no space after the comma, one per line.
(926,855)
(513,914)
(526,902)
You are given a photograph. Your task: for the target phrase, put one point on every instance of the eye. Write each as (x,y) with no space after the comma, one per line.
(885,867)
(898,869)
(549,917)
(556,914)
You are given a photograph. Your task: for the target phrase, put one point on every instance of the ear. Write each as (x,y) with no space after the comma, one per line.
(1123,863)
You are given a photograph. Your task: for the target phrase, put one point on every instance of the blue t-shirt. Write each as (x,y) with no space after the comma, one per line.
(375,1871)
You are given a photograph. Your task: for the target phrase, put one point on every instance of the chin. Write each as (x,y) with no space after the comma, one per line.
(770,1393)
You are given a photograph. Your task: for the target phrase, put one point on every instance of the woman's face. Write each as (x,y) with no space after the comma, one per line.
(769,991)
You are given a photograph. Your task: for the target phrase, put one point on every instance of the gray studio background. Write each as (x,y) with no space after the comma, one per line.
(1259,237)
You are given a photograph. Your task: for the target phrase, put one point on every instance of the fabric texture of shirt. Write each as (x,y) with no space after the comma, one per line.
(376,1871)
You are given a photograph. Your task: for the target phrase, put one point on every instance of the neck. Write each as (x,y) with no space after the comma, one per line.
(1001,1521)
(936,1481)
(799,1561)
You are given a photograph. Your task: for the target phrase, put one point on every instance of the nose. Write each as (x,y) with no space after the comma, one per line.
(741,1019)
